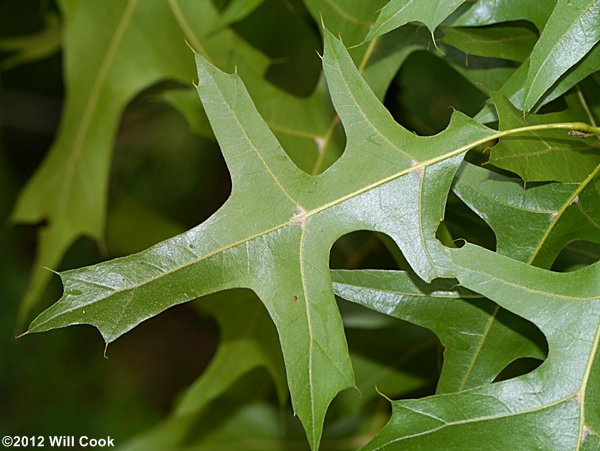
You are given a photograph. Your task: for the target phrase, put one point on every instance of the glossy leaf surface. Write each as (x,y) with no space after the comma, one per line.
(104,72)
(488,12)
(314,156)
(532,224)
(479,338)
(553,407)
(545,155)
(514,87)
(572,31)
(400,12)
(283,256)
(505,42)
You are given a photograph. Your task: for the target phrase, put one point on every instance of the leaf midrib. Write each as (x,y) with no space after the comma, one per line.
(310,334)
(473,420)
(293,220)
(392,17)
(559,214)
(90,106)
(253,146)
(536,291)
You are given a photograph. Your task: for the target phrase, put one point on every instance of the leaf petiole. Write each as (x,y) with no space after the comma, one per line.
(579,129)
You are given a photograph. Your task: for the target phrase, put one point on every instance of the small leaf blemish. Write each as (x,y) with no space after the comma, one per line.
(579,134)
(300,217)
(320,143)
(586,431)
(420,169)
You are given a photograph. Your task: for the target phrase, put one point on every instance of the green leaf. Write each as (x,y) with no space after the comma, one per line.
(351,19)
(235,11)
(248,340)
(488,12)
(255,426)
(400,12)
(571,32)
(226,426)
(186,102)
(546,154)
(532,224)
(103,73)
(33,47)
(388,53)
(106,66)
(555,406)
(428,105)
(132,226)
(479,338)
(384,361)
(486,74)
(506,42)
(590,91)
(308,127)
(283,255)
(514,88)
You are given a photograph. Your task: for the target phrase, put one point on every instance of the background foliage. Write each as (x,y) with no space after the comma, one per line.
(106,150)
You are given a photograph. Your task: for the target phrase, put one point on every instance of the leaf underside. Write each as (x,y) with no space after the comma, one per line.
(288,207)
(554,407)
(283,256)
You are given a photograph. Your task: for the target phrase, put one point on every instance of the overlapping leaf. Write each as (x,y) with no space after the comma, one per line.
(248,341)
(308,127)
(514,87)
(103,75)
(506,42)
(572,31)
(274,234)
(388,180)
(400,12)
(554,407)
(248,336)
(479,338)
(488,12)
(24,49)
(351,19)
(546,154)
(116,59)
(234,12)
(534,224)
